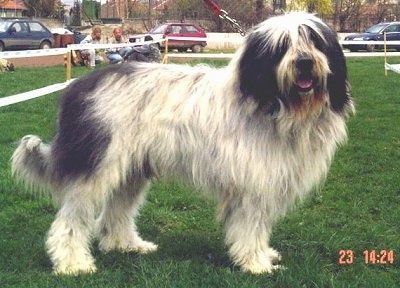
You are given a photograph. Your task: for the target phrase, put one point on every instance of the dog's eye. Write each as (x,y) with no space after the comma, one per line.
(281,48)
(318,41)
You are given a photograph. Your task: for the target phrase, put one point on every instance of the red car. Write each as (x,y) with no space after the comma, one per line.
(177,30)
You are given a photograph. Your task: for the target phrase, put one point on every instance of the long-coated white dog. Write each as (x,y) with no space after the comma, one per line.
(259,134)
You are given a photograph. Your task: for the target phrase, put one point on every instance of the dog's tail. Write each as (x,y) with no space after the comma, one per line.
(31,163)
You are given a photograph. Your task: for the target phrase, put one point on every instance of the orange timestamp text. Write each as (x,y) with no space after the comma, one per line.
(382,257)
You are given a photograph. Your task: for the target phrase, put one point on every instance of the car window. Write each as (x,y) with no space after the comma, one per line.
(376,28)
(4,25)
(36,27)
(192,29)
(183,29)
(158,29)
(19,27)
(397,28)
(391,28)
(175,29)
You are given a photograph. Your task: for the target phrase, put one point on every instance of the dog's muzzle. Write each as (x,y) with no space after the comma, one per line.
(304,79)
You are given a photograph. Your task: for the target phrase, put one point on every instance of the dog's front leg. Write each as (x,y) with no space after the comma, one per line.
(248,227)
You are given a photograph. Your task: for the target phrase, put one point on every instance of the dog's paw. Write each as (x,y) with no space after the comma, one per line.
(273,255)
(266,263)
(140,246)
(146,247)
(134,244)
(75,268)
(257,267)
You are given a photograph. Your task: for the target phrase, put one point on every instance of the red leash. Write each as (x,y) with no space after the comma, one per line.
(224,15)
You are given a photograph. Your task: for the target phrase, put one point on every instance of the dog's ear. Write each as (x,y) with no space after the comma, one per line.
(257,75)
(338,85)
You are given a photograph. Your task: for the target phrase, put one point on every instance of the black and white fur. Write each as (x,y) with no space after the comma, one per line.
(258,134)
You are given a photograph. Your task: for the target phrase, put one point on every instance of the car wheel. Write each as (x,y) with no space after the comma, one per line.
(370,47)
(196,49)
(1,46)
(45,45)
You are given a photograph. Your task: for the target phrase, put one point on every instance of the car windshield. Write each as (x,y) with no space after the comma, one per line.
(4,25)
(158,29)
(376,28)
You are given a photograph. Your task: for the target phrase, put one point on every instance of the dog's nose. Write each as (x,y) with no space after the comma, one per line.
(304,63)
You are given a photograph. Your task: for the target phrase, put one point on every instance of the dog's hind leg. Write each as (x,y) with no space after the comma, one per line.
(115,227)
(70,233)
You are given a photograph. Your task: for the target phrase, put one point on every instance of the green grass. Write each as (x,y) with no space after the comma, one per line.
(358,208)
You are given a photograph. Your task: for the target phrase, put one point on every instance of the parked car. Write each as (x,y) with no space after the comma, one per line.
(24,34)
(176,30)
(375,33)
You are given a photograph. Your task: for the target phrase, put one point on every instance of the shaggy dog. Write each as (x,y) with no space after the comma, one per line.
(258,134)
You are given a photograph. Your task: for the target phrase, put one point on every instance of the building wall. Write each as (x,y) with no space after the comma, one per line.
(7,13)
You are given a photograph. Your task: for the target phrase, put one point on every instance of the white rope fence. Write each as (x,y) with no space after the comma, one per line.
(33,93)
(70,47)
(5,101)
(67,51)
(33,53)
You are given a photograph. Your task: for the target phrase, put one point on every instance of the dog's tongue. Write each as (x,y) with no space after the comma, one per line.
(304,84)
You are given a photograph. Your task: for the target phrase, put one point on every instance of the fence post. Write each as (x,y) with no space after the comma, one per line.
(165,59)
(384,50)
(68,66)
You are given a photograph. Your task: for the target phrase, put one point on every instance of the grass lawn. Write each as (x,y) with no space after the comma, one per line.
(358,208)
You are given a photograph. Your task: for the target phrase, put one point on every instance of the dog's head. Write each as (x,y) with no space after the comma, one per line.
(294,60)
(10,67)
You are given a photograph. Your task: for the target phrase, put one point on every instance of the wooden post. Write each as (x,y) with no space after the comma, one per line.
(384,51)
(68,76)
(165,59)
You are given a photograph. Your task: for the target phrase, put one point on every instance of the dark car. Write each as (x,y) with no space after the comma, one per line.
(375,33)
(176,30)
(24,34)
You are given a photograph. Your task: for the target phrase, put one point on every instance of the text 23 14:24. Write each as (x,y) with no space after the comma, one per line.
(347,257)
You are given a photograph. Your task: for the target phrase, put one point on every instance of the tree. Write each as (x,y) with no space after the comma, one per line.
(346,10)
(262,12)
(383,9)
(133,7)
(41,8)
(189,9)
(59,10)
(321,7)
(260,6)
(278,5)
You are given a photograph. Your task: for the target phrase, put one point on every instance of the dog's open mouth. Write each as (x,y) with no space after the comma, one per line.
(304,80)
(304,85)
